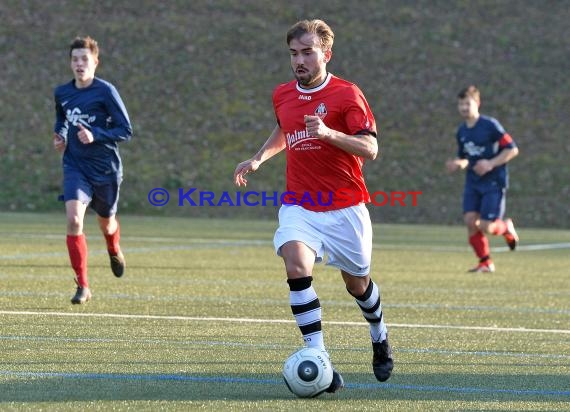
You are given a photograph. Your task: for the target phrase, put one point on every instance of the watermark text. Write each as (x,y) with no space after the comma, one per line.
(343,197)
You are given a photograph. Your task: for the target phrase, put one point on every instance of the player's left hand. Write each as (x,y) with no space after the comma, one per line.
(482,167)
(84,135)
(316,128)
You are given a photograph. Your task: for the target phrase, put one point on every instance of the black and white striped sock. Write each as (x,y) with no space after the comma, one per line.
(306,308)
(371,308)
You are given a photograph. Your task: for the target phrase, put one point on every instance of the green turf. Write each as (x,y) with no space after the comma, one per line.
(201,321)
(197,78)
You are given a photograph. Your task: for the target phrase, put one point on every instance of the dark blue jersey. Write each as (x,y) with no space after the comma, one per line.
(484,141)
(100,109)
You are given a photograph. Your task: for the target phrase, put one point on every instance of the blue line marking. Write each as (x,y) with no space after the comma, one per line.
(220,379)
(461,390)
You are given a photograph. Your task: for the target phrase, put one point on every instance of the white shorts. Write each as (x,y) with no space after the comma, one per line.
(344,235)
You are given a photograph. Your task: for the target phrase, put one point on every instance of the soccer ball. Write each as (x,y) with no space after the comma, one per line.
(308,372)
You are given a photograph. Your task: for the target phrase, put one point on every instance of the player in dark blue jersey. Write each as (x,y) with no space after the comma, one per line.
(91,120)
(484,149)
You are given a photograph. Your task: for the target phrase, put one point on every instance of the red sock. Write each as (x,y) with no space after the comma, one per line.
(77,248)
(113,241)
(480,245)
(500,227)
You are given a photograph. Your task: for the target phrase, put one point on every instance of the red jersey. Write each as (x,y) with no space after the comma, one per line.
(321,176)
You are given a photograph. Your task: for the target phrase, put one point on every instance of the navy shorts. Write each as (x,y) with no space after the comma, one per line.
(102,197)
(489,203)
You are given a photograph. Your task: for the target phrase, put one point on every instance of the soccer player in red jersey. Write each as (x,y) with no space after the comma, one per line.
(91,120)
(327,129)
(484,149)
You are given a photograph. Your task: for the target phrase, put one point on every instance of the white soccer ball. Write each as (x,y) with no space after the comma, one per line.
(308,372)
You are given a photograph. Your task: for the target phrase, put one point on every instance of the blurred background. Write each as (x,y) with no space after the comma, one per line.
(197,79)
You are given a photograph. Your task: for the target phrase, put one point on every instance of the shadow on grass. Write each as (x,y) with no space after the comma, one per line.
(59,387)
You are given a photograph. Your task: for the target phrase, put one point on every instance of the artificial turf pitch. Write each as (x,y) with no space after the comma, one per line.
(201,320)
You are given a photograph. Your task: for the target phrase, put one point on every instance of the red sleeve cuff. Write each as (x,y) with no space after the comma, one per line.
(506,140)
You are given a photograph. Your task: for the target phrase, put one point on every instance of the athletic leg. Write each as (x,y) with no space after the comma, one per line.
(299,261)
(479,242)
(111,230)
(348,242)
(298,240)
(105,203)
(367,296)
(472,204)
(492,222)
(77,248)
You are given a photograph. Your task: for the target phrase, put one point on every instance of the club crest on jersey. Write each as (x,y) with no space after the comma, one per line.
(75,117)
(321,110)
(473,150)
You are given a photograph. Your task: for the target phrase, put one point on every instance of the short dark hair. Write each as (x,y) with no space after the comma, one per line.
(318,27)
(84,43)
(472,92)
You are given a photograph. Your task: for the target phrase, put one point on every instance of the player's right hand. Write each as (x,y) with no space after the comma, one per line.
(242,169)
(58,143)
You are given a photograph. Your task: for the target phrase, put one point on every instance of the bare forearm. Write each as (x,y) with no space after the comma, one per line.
(484,166)
(273,145)
(360,145)
(505,156)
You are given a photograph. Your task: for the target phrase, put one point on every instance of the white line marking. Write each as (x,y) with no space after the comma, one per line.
(546,246)
(193,243)
(279,321)
(182,245)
